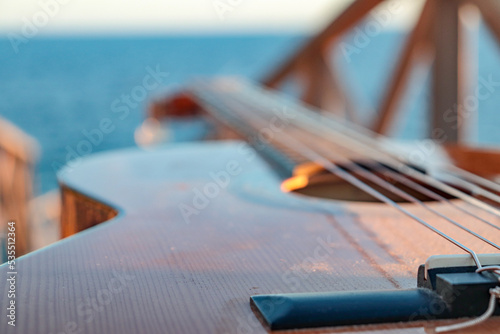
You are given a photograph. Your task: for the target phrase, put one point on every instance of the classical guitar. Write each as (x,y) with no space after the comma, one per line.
(304,223)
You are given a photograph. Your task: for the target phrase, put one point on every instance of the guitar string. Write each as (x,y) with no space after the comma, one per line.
(431,194)
(398,165)
(415,186)
(359,169)
(368,140)
(366,135)
(460,174)
(482,238)
(368,147)
(369,175)
(311,154)
(495,293)
(408,182)
(475,189)
(476,179)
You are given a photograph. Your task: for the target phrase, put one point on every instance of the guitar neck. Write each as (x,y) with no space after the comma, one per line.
(236,104)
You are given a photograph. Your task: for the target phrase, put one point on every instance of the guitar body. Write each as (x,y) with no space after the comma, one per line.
(185,234)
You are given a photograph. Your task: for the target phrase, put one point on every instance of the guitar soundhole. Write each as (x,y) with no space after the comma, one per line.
(329,186)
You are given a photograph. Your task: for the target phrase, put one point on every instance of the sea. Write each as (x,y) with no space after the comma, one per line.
(59,89)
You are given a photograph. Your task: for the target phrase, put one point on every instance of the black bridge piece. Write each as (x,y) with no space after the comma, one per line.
(444,293)
(465,292)
(305,310)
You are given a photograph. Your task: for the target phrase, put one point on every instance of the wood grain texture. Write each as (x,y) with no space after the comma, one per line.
(80,212)
(149,270)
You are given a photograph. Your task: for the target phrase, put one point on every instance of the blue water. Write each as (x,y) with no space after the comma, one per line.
(56,89)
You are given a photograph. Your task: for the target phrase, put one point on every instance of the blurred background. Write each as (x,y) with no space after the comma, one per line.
(67,66)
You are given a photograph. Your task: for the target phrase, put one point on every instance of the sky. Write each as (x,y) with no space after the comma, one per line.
(178,16)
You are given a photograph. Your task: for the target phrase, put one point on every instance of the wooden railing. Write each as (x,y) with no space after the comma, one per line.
(17,156)
(437,39)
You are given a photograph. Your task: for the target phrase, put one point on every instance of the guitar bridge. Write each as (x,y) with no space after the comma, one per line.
(448,287)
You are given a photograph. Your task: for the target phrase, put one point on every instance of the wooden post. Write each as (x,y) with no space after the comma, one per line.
(446,90)
(348,19)
(490,10)
(17,158)
(334,98)
(312,75)
(414,44)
